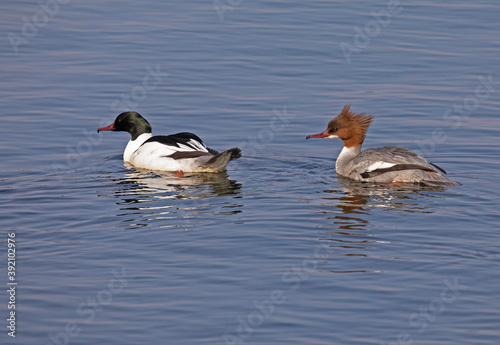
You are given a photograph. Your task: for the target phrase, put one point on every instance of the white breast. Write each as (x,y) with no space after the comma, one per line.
(133,145)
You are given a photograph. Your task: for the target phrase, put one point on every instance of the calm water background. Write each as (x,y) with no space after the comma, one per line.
(279,250)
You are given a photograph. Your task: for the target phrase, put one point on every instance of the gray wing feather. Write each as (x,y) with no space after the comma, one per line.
(391,154)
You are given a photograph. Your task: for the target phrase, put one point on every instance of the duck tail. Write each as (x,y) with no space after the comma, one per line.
(219,161)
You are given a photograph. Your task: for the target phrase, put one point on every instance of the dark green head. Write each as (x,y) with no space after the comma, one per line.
(129,121)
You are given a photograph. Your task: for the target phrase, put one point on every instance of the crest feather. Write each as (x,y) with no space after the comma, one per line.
(348,118)
(351,127)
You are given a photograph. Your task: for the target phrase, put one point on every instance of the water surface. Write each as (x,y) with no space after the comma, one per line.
(278,250)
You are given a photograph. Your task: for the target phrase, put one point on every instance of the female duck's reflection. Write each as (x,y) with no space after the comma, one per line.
(364,196)
(352,232)
(355,197)
(171,200)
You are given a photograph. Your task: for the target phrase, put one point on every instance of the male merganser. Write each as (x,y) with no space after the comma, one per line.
(181,152)
(387,164)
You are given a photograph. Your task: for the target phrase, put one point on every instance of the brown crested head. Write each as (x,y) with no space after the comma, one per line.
(349,127)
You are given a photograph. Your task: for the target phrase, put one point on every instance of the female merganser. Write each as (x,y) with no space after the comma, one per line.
(181,152)
(388,164)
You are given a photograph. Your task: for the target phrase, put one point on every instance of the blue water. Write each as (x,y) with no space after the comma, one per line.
(278,250)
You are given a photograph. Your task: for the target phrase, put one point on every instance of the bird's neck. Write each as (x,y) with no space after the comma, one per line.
(133,145)
(345,156)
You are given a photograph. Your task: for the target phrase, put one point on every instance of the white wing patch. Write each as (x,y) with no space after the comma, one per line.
(196,144)
(379,165)
(155,150)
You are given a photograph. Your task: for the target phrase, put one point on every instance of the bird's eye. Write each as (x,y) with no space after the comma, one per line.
(335,129)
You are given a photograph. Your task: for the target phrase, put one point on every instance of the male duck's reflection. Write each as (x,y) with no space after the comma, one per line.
(168,199)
